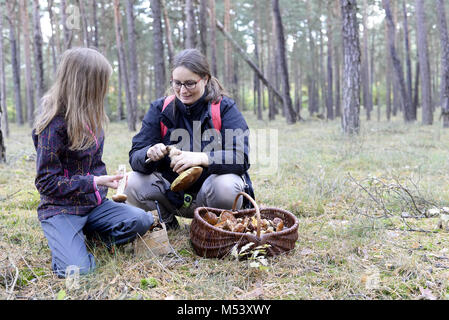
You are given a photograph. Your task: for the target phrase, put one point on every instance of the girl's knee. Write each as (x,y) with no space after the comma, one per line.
(73,265)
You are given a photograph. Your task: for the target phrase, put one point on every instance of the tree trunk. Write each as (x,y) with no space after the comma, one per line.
(84,26)
(287,101)
(2,143)
(4,116)
(203,26)
(330,81)
(38,56)
(351,74)
(248,60)
(313,88)
(14,62)
(54,38)
(337,50)
(168,37)
(190,27)
(213,38)
(444,39)
(397,63)
(427,114)
(28,66)
(120,111)
(367,94)
(130,114)
(68,34)
(227,45)
(257,93)
(158,50)
(132,54)
(95,22)
(407,58)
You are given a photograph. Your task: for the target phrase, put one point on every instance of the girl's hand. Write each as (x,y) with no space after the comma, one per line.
(157,152)
(108,181)
(186,160)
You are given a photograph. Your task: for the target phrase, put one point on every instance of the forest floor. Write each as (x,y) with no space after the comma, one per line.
(369,210)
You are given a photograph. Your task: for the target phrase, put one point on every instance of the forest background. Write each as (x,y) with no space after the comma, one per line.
(357,90)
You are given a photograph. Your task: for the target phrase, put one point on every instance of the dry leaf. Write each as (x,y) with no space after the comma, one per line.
(252,294)
(305,252)
(426,294)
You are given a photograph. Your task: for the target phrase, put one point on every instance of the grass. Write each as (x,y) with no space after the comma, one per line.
(339,187)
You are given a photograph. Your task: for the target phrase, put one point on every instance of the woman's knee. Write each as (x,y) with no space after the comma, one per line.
(222,190)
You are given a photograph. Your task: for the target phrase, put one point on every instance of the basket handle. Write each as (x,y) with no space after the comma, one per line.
(247,196)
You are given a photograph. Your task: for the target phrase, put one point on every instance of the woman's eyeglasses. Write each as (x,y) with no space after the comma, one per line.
(189,84)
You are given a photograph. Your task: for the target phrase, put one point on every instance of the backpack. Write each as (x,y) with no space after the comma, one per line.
(215,111)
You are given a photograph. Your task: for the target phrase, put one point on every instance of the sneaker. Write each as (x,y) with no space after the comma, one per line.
(173,225)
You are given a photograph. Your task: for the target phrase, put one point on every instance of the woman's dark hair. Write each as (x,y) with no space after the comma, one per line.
(196,62)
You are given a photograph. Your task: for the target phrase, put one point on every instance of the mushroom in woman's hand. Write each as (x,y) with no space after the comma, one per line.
(119,196)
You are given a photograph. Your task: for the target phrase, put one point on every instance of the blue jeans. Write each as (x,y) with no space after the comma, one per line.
(114,223)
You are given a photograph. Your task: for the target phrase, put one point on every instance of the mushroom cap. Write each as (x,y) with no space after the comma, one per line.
(186,179)
(119,197)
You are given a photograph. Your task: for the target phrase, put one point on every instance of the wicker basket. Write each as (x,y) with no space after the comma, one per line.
(212,242)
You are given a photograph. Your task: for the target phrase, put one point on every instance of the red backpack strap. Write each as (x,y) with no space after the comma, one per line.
(216,114)
(167,101)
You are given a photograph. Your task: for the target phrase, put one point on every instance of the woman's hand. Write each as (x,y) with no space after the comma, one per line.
(157,152)
(186,160)
(108,181)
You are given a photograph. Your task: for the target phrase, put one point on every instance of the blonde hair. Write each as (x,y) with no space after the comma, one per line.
(78,95)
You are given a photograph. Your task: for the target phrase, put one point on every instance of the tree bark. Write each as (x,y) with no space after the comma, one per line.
(427,114)
(257,93)
(248,60)
(28,68)
(227,45)
(191,26)
(130,114)
(444,40)
(313,103)
(94,22)
(351,74)
(4,116)
(38,56)
(330,81)
(84,26)
(158,50)
(366,87)
(168,36)
(68,34)
(287,101)
(213,38)
(14,61)
(407,58)
(337,50)
(397,63)
(132,54)
(2,143)
(54,38)
(203,26)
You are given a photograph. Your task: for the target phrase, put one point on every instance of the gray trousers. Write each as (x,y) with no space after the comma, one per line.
(217,191)
(114,223)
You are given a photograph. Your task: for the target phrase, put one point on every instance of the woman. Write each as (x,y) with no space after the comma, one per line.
(71,176)
(211,132)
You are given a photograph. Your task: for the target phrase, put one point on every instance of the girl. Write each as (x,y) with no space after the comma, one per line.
(198,106)
(71,176)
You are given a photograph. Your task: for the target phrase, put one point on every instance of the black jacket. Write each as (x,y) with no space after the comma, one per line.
(225,156)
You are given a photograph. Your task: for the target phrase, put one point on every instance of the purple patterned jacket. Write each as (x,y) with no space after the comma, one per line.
(65,178)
